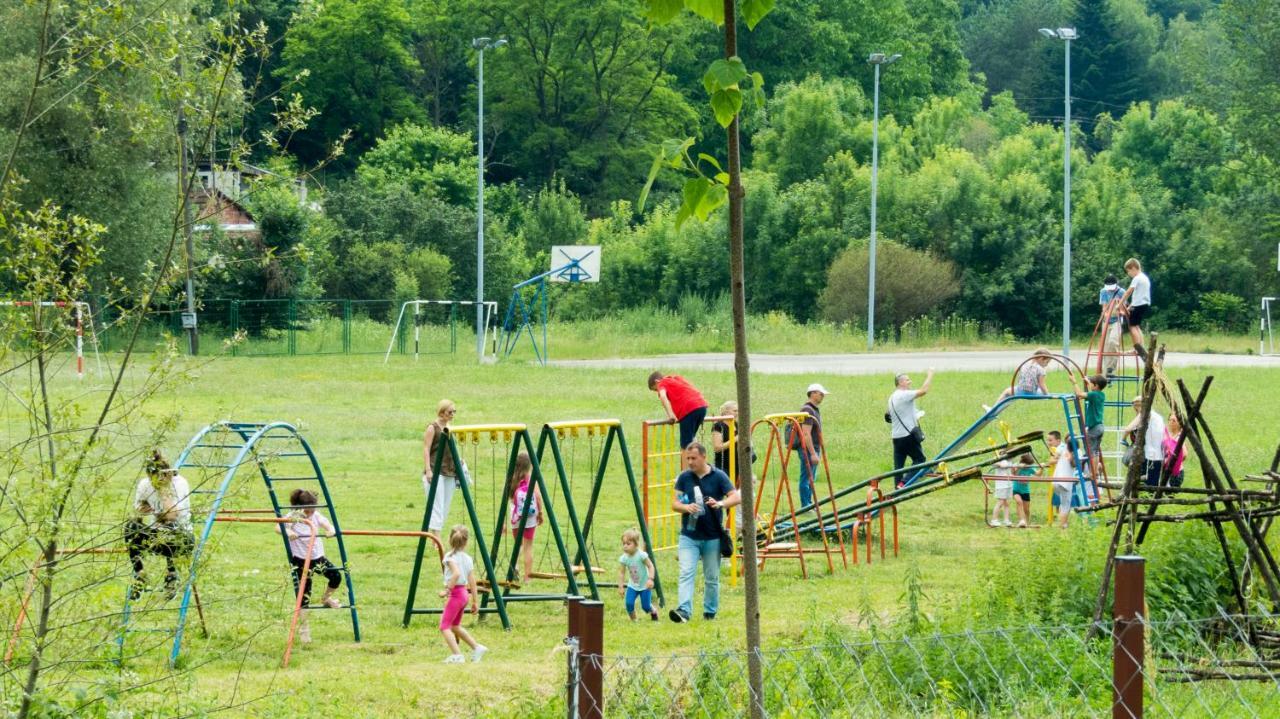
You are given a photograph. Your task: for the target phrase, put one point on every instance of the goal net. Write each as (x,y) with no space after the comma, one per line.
(436,326)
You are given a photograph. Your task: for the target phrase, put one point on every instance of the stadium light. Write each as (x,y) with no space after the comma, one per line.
(877,59)
(481,44)
(1066,34)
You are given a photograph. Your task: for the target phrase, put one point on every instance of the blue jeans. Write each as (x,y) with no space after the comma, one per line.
(690,551)
(689,426)
(808,472)
(646,600)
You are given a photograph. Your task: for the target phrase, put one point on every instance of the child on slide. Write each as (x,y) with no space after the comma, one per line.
(1030,379)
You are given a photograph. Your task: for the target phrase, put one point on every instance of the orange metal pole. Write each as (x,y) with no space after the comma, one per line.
(22,609)
(302,588)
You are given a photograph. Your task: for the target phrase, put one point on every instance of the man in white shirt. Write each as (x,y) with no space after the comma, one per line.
(1138,295)
(161,522)
(904,422)
(1153,443)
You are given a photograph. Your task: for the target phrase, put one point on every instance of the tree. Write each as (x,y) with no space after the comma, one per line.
(1111,61)
(1252,30)
(807,123)
(351,60)
(909,284)
(430,161)
(580,94)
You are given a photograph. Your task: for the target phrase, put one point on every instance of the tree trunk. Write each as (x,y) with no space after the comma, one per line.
(742,373)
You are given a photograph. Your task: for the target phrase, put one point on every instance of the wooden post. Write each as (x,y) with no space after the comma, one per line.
(1128,638)
(591,655)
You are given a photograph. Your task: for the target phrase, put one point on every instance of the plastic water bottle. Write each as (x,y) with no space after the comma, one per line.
(698,501)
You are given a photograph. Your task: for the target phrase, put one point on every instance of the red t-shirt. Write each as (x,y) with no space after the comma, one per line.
(683,396)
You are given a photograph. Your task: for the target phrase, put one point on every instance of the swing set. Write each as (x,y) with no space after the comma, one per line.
(495,589)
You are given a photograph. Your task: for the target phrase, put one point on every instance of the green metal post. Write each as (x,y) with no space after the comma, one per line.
(422,541)
(293,323)
(346,326)
(235,324)
(477,528)
(573,514)
(639,505)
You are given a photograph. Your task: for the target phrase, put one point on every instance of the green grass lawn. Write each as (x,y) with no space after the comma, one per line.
(365,421)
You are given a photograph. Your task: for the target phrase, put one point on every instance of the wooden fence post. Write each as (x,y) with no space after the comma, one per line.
(1128,638)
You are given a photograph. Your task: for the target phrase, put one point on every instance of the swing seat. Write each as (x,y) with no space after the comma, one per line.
(483,585)
(780,547)
(577,569)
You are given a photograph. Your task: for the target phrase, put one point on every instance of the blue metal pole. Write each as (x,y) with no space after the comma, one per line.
(480,213)
(1066,207)
(875,163)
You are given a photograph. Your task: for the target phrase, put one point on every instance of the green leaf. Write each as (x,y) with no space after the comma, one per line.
(712,10)
(757,89)
(714,197)
(722,178)
(710,160)
(658,157)
(726,104)
(724,74)
(753,11)
(663,11)
(695,189)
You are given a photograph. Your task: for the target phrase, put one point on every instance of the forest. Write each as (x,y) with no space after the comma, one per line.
(373,104)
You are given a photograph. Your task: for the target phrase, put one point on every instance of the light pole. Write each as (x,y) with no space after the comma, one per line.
(876,59)
(481,44)
(1066,34)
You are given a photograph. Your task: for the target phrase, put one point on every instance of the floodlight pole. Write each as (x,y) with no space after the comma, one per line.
(876,59)
(481,44)
(1066,34)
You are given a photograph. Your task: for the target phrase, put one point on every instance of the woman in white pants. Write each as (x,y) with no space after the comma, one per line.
(435,434)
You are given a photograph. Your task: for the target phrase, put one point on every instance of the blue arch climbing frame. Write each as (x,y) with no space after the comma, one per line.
(257,444)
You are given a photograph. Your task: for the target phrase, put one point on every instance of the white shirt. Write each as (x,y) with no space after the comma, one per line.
(902,412)
(1141,286)
(464,565)
(303,529)
(1153,447)
(1063,469)
(175,499)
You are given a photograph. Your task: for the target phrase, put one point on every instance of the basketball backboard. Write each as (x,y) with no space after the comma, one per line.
(575,263)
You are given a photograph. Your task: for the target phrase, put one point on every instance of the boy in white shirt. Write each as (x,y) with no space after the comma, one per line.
(1064,475)
(1139,298)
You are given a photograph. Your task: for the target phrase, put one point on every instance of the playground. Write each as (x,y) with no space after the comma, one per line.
(366,435)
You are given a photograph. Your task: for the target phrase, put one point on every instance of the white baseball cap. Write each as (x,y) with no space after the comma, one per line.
(815,387)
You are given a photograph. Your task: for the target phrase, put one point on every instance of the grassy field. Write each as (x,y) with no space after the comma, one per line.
(365,420)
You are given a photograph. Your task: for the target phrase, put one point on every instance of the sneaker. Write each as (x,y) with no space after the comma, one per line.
(455,659)
(654,615)
(1142,352)
(332,603)
(1006,523)
(678,616)
(1022,525)
(478,653)
(708,616)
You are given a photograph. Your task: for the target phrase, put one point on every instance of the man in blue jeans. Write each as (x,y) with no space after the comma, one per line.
(810,445)
(701,492)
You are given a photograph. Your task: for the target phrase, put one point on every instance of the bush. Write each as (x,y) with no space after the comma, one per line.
(909,284)
(1221,312)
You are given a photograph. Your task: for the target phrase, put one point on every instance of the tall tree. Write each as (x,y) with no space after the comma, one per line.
(1111,62)
(352,62)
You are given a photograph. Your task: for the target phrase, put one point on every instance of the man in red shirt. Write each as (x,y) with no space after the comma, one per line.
(683,402)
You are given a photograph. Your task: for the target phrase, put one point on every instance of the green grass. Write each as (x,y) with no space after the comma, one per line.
(365,419)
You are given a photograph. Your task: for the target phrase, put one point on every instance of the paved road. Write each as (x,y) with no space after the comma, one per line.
(887,363)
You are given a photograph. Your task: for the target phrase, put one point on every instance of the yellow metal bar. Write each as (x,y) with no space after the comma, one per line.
(473,432)
(585,424)
(781,416)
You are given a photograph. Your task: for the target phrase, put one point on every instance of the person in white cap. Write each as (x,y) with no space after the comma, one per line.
(809,445)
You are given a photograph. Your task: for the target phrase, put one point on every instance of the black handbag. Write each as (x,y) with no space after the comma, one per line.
(726,543)
(916,432)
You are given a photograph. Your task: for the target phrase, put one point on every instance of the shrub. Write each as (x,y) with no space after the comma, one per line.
(909,283)
(1221,312)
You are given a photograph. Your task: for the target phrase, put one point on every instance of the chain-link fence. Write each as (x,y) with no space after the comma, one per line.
(302,327)
(1214,667)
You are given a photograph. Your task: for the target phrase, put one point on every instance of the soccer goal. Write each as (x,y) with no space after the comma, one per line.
(1266,334)
(77,319)
(435,325)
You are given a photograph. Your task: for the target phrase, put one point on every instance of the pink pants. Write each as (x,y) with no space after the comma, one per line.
(454,607)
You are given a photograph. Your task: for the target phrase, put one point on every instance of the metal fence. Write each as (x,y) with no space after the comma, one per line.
(1192,668)
(250,328)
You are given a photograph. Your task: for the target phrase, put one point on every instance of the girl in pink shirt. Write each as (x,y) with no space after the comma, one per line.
(1172,432)
(519,487)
